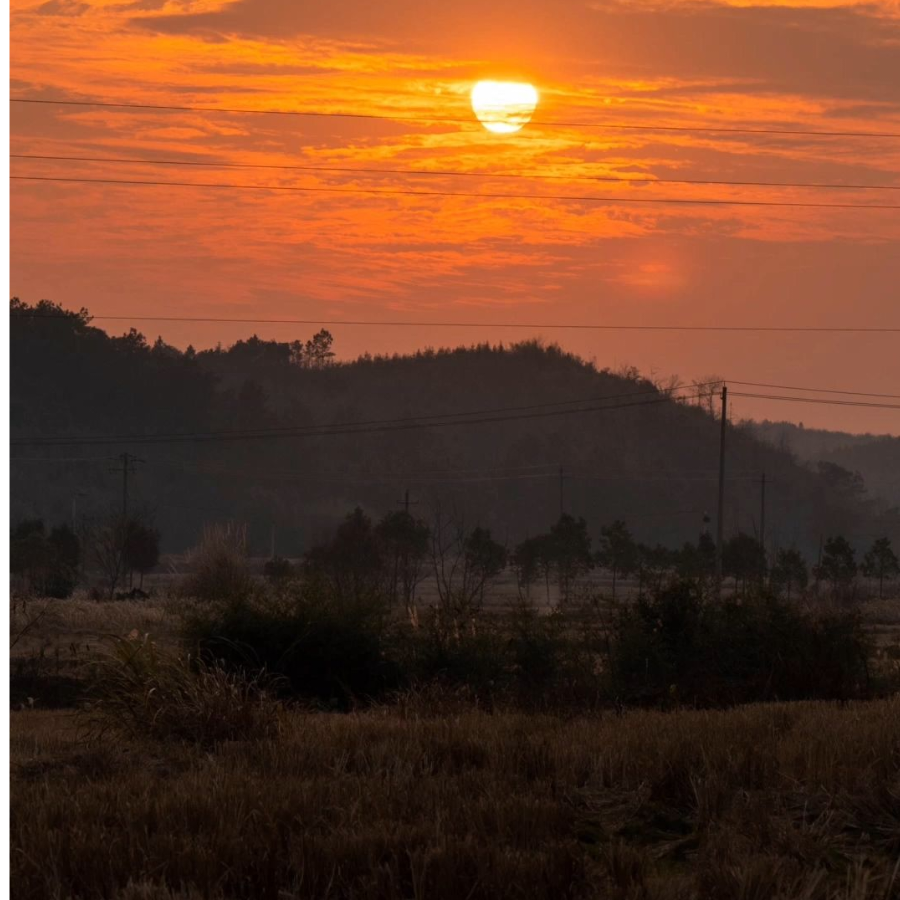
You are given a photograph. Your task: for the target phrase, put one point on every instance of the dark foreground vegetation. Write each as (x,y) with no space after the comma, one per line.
(352,625)
(315,736)
(430,799)
(670,649)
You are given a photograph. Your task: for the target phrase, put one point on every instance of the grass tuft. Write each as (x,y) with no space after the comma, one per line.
(140,691)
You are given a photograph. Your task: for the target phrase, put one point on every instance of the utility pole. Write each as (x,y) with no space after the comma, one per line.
(75,497)
(720,525)
(272,554)
(762,524)
(128,461)
(561,504)
(406,501)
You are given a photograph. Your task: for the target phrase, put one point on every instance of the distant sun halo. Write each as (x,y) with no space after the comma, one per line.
(504,106)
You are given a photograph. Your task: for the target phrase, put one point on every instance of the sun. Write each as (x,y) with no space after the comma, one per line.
(504,106)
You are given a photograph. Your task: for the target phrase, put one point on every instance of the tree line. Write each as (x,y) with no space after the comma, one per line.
(393,556)
(52,563)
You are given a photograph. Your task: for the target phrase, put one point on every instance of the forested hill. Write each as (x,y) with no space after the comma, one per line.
(626,449)
(876,457)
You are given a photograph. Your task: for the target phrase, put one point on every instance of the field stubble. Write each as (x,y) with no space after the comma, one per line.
(780,800)
(428,798)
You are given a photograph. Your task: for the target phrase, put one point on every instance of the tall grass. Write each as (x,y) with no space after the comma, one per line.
(218,565)
(776,801)
(141,691)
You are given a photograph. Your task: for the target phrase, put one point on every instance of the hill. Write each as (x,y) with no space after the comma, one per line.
(503,421)
(876,458)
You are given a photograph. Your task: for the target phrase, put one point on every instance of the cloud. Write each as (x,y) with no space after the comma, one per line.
(62,8)
(838,51)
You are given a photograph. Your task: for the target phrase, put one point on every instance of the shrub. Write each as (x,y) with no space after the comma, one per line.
(459,652)
(278,570)
(675,646)
(323,650)
(218,564)
(140,691)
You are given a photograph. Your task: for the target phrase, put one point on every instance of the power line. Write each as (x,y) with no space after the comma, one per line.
(324,432)
(393,425)
(434,476)
(56,459)
(393,117)
(443,173)
(819,400)
(371,323)
(316,429)
(792,387)
(408,192)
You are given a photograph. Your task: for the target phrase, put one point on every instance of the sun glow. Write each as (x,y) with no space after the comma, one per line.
(504,106)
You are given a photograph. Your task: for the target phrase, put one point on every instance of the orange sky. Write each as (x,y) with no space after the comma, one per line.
(183,251)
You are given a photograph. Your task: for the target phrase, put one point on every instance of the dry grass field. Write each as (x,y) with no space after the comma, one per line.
(792,801)
(429,797)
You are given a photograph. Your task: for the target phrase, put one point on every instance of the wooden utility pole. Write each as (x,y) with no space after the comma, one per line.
(128,461)
(762,510)
(561,498)
(720,523)
(762,520)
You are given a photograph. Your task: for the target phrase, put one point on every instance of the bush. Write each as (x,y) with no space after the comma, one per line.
(675,647)
(278,570)
(219,565)
(331,652)
(458,653)
(141,691)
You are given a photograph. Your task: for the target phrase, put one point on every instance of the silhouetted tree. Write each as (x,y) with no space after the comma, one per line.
(485,559)
(534,558)
(318,353)
(525,560)
(838,564)
(405,541)
(743,558)
(352,563)
(881,562)
(107,542)
(789,570)
(652,565)
(697,562)
(141,552)
(618,551)
(569,547)
(464,563)
(48,562)
(66,546)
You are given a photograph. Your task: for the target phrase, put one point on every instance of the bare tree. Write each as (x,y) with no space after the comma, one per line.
(464,562)
(108,539)
(707,389)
